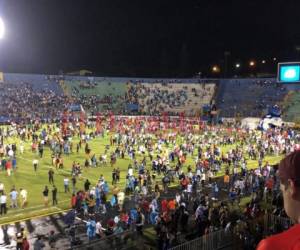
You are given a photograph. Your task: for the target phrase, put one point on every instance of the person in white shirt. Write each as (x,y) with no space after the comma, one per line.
(1,187)
(10,153)
(23,195)
(3,200)
(66,185)
(130,171)
(99,229)
(121,197)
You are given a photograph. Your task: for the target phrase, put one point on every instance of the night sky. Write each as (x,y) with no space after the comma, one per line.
(146,38)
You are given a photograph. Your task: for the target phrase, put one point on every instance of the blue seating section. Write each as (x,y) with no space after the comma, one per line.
(37,82)
(249,97)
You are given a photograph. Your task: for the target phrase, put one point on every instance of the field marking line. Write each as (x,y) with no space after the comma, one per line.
(35,217)
(29,208)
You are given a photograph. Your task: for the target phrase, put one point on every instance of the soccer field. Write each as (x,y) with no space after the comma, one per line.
(34,182)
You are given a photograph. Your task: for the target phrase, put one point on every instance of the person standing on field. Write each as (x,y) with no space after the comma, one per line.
(66,185)
(35,163)
(23,195)
(3,200)
(14,198)
(51,176)
(54,196)
(46,196)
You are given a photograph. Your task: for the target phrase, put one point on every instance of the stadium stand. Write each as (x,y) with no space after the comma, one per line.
(234,97)
(291,106)
(97,95)
(249,97)
(25,97)
(173,98)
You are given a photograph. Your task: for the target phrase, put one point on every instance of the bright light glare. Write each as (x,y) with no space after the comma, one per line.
(252,63)
(2,28)
(215,69)
(237,65)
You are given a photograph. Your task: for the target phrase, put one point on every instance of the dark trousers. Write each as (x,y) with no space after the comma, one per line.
(3,208)
(54,201)
(51,180)
(67,188)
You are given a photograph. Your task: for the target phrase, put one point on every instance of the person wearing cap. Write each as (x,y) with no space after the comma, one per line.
(289,175)
(19,241)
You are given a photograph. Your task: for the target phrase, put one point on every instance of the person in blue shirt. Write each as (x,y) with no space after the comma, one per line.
(14,163)
(91,228)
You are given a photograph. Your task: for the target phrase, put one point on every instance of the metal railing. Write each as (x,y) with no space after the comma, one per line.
(114,241)
(275,224)
(215,240)
(221,239)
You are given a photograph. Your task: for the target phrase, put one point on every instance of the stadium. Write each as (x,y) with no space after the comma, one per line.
(176,161)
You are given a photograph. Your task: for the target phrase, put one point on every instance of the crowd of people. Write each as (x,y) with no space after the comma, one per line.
(192,158)
(251,97)
(170,97)
(151,98)
(21,102)
(173,214)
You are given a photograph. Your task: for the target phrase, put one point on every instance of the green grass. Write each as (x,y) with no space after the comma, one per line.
(34,183)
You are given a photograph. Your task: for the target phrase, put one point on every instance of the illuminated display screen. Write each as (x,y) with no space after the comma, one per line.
(289,72)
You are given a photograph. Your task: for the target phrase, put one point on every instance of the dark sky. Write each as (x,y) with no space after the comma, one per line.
(144,38)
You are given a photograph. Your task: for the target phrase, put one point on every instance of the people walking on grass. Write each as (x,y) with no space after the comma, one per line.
(35,163)
(13,198)
(87,185)
(51,176)
(1,187)
(46,196)
(114,178)
(54,195)
(3,200)
(73,183)
(8,166)
(66,185)
(23,196)
(14,164)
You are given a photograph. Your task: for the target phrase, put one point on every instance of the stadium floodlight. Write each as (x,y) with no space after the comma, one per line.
(215,69)
(252,63)
(263,61)
(274,59)
(237,65)
(2,28)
